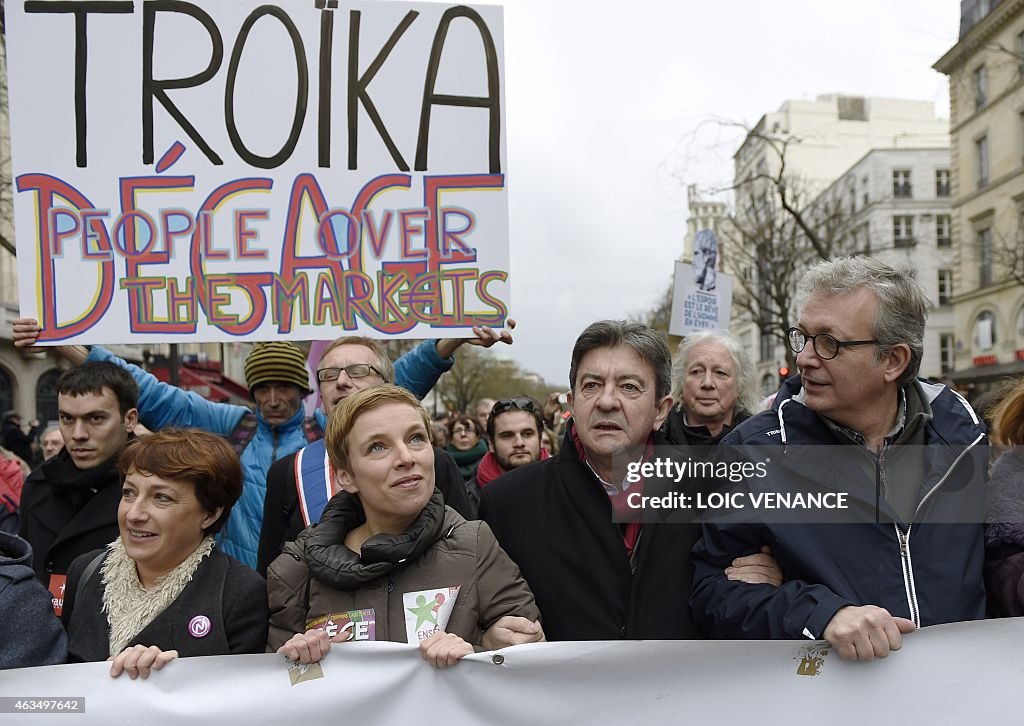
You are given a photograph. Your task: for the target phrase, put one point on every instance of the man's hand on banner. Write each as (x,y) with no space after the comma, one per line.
(26,333)
(760,568)
(138,660)
(866,632)
(444,649)
(512,630)
(486,336)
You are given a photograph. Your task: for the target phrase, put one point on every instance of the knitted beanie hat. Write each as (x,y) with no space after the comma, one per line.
(277,362)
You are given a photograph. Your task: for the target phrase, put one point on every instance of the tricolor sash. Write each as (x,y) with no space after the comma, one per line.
(314,481)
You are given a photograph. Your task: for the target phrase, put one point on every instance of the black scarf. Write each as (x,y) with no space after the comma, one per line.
(334,564)
(76,486)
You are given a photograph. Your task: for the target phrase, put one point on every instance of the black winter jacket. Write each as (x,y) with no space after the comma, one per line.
(554,520)
(233,598)
(66,512)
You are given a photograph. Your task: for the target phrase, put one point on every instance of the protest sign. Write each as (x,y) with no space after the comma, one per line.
(249,170)
(958,673)
(695,308)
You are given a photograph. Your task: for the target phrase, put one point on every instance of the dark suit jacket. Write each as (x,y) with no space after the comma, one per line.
(554,520)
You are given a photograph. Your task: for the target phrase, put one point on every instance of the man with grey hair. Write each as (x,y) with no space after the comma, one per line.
(712,385)
(51,442)
(598,574)
(909,456)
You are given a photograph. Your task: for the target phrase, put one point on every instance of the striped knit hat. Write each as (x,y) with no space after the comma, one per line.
(277,362)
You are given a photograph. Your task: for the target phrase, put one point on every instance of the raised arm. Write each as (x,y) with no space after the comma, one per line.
(160,404)
(419,370)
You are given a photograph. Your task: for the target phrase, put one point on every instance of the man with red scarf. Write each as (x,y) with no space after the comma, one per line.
(513,427)
(597,574)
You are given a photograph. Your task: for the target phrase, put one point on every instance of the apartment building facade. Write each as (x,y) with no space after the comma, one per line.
(986,93)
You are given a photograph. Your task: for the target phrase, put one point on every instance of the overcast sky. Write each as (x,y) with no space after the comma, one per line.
(608,105)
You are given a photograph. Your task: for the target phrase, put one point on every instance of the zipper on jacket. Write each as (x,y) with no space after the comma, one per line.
(908,573)
(387,607)
(878,488)
(904,537)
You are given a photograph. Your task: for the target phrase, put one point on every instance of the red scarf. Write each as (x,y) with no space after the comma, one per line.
(623,512)
(489,468)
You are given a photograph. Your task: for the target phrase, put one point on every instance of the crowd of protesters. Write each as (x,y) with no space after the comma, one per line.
(515,521)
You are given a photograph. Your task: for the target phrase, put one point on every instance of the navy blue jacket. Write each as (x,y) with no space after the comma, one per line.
(928,570)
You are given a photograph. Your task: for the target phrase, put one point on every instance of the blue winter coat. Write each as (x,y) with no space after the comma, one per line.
(161,404)
(928,570)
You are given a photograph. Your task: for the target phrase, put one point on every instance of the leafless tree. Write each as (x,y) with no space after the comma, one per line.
(480,374)
(778,225)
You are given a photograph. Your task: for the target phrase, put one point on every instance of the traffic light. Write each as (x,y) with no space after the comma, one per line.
(783,373)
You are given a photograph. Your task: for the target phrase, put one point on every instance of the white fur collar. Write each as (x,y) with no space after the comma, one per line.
(130,607)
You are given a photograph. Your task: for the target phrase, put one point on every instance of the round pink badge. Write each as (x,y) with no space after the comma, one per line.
(199,626)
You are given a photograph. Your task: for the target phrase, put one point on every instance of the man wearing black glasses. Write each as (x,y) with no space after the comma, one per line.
(907,550)
(513,427)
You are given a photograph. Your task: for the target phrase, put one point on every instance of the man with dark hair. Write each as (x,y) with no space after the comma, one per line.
(596,578)
(514,427)
(69,504)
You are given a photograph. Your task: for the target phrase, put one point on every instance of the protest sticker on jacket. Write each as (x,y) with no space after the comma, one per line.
(427,612)
(250,170)
(346,626)
(56,588)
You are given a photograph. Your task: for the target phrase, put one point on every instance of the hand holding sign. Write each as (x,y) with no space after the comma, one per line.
(26,333)
(486,336)
(512,630)
(866,632)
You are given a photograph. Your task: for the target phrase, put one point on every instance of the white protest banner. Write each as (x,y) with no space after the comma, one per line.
(695,308)
(216,171)
(961,673)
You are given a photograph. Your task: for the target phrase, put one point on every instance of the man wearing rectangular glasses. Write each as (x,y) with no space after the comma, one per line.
(908,550)
(299,485)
